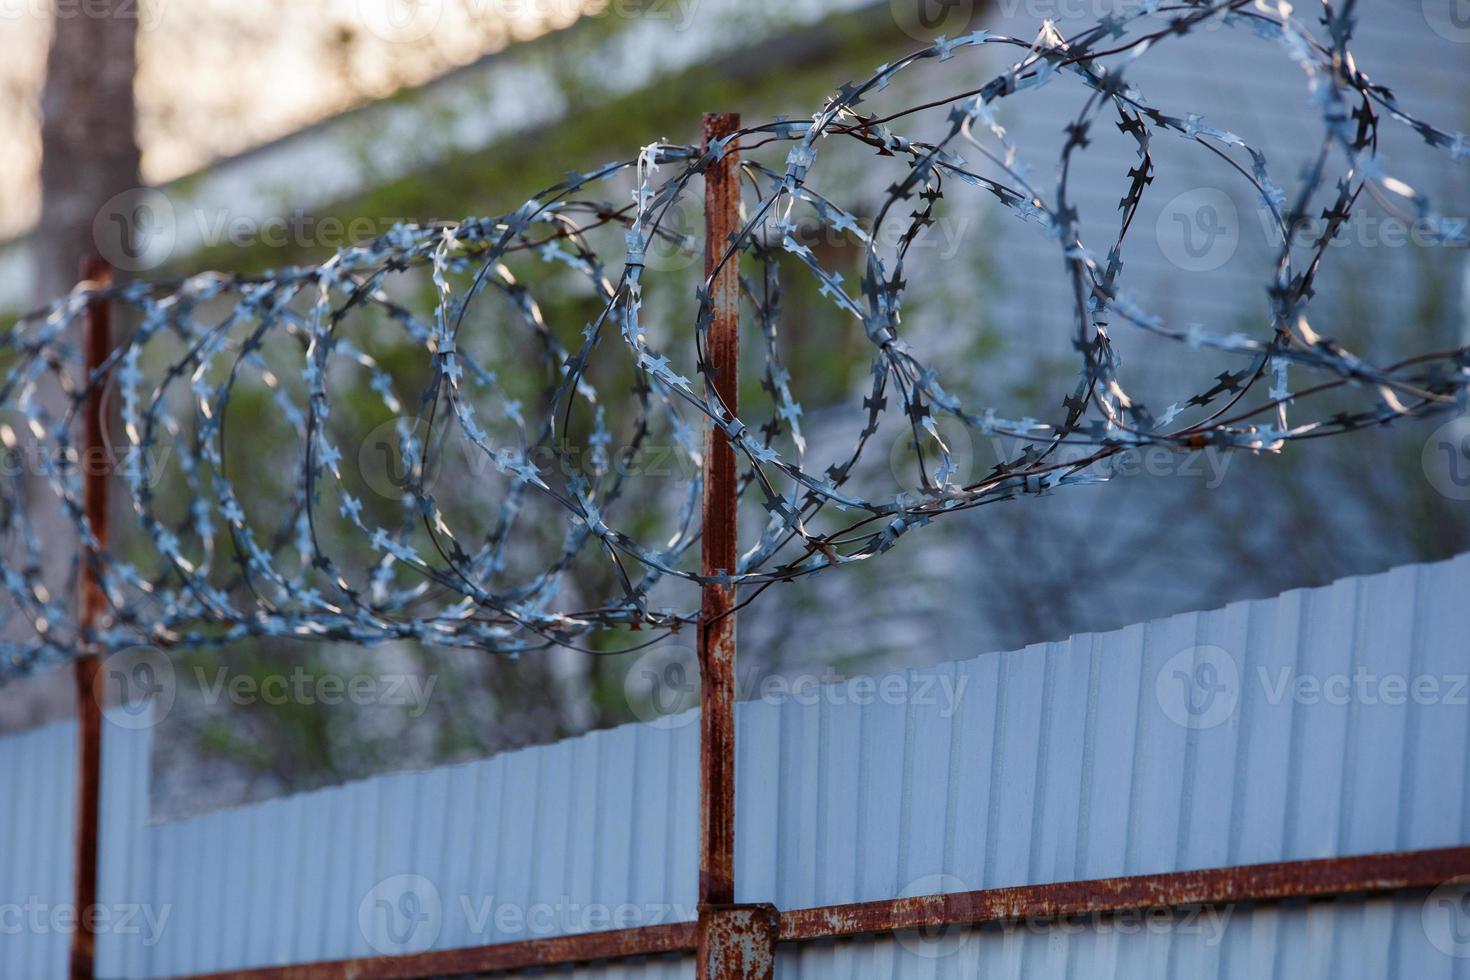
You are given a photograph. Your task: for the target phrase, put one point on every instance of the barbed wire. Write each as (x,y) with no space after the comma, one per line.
(299,356)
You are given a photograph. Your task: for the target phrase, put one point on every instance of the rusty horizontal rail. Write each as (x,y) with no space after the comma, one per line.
(615,944)
(1260,883)
(1320,878)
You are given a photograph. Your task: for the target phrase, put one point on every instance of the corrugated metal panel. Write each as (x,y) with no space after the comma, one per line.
(1380,937)
(1166,746)
(590,833)
(37,770)
(35,849)
(1271,730)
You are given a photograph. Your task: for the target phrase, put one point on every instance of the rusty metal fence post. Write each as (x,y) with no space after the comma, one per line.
(733,941)
(90,682)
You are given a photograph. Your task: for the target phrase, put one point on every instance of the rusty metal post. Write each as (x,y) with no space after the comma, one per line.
(90,682)
(737,942)
(734,941)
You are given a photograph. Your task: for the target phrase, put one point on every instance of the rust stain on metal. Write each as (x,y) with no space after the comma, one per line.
(1322,878)
(719,545)
(744,929)
(738,942)
(90,683)
(560,950)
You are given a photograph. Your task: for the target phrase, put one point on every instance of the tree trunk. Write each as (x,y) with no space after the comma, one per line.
(89,150)
(89,154)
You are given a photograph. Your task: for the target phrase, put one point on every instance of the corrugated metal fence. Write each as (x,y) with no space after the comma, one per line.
(1323,722)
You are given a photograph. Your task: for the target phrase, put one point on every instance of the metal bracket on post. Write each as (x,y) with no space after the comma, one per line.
(90,683)
(738,942)
(734,941)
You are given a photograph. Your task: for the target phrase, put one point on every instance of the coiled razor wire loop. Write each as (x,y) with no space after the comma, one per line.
(274,361)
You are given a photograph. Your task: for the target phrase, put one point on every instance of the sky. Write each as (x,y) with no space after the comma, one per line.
(216,77)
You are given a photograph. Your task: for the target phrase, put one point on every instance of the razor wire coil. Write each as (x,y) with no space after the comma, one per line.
(224,557)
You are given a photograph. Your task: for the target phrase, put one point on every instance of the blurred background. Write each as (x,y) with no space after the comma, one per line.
(253,136)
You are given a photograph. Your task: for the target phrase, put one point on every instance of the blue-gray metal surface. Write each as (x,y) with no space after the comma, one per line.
(1322,722)
(37,910)
(1352,939)
(1084,759)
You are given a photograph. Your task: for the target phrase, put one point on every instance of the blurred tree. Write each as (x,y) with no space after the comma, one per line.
(89,147)
(89,154)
